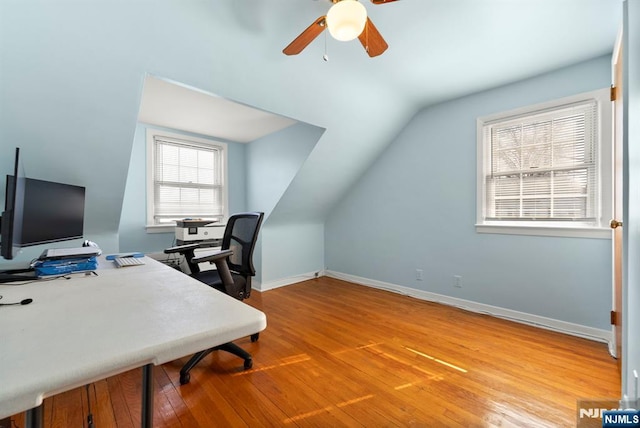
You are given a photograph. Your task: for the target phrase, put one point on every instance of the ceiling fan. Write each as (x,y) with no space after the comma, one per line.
(346,20)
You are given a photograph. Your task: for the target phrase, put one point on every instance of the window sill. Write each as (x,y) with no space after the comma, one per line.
(565,232)
(170,228)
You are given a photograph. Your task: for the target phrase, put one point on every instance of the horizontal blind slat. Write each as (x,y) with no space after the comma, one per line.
(543,166)
(187,181)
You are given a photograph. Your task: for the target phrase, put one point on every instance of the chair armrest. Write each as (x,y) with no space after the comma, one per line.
(181,248)
(213,258)
(220,259)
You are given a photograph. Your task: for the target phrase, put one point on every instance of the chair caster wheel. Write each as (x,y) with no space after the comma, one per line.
(184,378)
(248,363)
(254,337)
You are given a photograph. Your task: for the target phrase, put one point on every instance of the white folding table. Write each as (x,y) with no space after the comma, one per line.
(87,328)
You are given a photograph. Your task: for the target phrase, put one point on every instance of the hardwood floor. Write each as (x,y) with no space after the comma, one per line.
(339,354)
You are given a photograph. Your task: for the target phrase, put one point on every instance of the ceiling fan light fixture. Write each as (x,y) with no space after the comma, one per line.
(346,20)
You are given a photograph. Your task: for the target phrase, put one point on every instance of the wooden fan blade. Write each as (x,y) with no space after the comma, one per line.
(372,40)
(382,1)
(306,37)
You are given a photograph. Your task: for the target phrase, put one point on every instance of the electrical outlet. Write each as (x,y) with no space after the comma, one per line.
(457,281)
(419,274)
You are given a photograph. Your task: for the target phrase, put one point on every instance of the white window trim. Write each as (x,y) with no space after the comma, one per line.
(150,166)
(605,171)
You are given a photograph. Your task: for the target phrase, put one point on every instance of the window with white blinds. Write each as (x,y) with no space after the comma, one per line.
(187,180)
(545,166)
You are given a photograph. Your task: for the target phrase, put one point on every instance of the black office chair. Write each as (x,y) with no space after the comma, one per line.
(234,263)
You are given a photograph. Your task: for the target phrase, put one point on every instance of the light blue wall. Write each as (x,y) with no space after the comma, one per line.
(282,257)
(415,209)
(133,236)
(631,291)
(258,173)
(68,102)
(71,79)
(272,164)
(274,160)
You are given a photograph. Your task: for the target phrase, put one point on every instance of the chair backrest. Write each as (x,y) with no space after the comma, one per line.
(241,235)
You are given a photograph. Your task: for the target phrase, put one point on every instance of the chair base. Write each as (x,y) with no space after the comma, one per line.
(230,347)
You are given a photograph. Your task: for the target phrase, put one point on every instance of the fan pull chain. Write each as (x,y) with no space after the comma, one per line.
(325,57)
(366,36)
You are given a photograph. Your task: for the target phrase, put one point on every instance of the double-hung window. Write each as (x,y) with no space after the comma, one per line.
(546,169)
(185,178)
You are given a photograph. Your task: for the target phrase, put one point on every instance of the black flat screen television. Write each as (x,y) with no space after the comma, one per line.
(52,212)
(38,212)
(11,220)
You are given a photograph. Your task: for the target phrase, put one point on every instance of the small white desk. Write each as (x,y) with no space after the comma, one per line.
(87,328)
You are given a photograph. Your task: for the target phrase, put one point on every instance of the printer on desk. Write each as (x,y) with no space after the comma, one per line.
(191,231)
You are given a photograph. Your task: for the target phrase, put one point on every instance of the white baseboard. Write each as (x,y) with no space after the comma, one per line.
(509,314)
(256,285)
(270,285)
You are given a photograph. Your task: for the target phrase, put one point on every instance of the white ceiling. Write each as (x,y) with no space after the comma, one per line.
(173,105)
(442,49)
(438,50)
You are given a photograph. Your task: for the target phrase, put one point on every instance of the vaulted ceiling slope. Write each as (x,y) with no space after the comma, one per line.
(71,76)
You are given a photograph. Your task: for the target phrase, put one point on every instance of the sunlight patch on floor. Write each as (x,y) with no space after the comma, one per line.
(405,386)
(357,348)
(437,360)
(431,375)
(285,362)
(371,345)
(355,400)
(305,415)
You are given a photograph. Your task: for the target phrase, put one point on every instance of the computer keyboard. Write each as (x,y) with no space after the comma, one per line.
(128,261)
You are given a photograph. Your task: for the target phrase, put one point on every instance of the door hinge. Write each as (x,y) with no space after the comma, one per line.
(613,93)
(614,318)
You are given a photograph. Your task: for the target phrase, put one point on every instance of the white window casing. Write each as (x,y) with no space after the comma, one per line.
(547,169)
(186,178)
